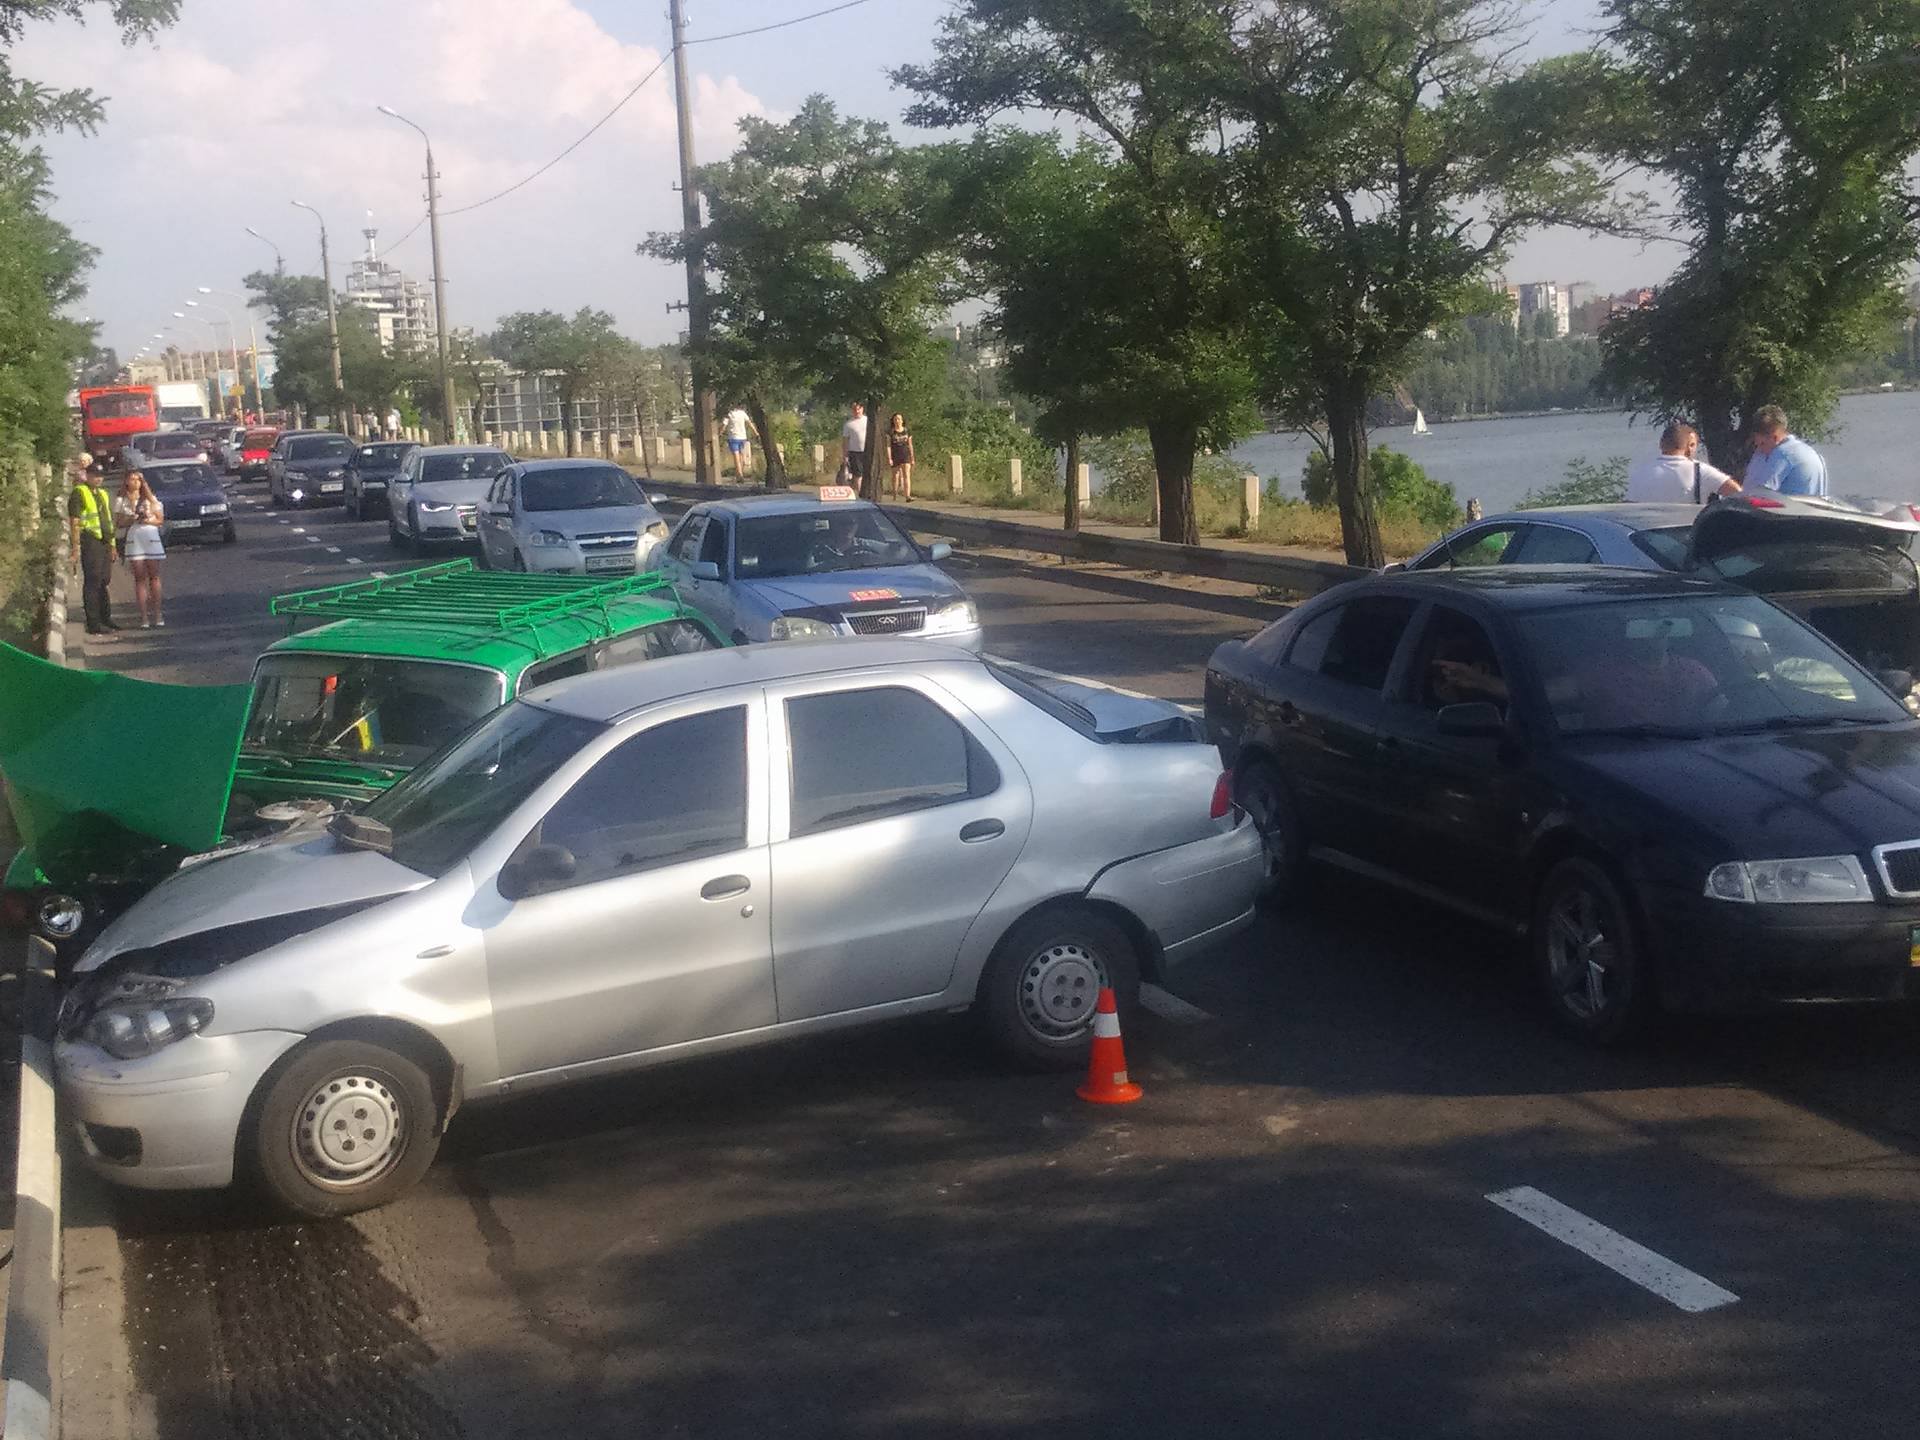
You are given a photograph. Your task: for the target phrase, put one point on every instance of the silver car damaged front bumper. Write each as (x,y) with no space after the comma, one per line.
(1191,896)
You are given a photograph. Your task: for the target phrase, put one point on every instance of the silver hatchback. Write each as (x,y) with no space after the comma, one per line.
(642,865)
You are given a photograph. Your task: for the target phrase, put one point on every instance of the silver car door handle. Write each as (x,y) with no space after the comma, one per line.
(724,887)
(975,831)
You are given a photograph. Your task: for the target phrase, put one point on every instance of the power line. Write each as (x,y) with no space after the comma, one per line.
(778,24)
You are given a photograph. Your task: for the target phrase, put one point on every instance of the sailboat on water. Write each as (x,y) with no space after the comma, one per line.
(1420,422)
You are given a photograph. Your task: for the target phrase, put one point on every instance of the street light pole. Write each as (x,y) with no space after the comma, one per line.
(439,277)
(696,258)
(233,343)
(279,264)
(253,347)
(333,323)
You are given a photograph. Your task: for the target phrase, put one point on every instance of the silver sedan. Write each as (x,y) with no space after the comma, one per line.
(641,865)
(569,517)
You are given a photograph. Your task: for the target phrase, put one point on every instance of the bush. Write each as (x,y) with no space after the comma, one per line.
(27,561)
(1400,487)
(1127,476)
(1587,483)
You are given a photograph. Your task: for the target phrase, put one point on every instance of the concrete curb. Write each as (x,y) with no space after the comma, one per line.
(57,619)
(32,1343)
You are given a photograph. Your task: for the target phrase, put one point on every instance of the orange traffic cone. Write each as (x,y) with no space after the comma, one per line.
(1107,1082)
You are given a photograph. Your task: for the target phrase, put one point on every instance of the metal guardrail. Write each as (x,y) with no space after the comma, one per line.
(1294,574)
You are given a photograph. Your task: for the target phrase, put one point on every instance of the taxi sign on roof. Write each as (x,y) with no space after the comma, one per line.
(838,492)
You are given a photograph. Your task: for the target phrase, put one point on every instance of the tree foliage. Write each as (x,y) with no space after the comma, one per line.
(1398,486)
(1788,146)
(569,348)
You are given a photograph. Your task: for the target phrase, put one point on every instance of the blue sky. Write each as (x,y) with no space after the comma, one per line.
(245,106)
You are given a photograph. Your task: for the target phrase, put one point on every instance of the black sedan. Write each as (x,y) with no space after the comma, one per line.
(309,468)
(194,500)
(369,472)
(1680,794)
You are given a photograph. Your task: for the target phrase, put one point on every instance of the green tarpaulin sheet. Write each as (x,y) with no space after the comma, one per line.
(97,765)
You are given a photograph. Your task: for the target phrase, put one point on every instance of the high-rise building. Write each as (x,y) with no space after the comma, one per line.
(1544,297)
(401,308)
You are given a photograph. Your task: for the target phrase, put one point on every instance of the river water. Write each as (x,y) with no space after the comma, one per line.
(1874,450)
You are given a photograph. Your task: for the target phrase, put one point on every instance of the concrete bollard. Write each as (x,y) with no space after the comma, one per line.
(543,442)
(486,437)
(1249,502)
(957,474)
(819,461)
(781,451)
(686,453)
(660,450)
(579,443)
(1014,479)
(1086,482)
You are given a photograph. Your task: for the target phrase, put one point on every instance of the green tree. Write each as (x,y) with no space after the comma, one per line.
(1388,157)
(1788,146)
(568,348)
(1108,261)
(1588,482)
(1397,482)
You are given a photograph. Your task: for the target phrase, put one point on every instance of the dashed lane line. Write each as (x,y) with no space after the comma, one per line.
(1672,1282)
(1170,1007)
(352,560)
(333,549)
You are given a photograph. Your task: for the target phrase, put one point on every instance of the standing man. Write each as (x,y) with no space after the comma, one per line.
(737,440)
(1782,460)
(90,520)
(853,446)
(1676,475)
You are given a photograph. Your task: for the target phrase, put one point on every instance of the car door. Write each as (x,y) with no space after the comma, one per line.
(496,522)
(1456,804)
(896,815)
(682,553)
(717,598)
(276,469)
(400,490)
(1545,544)
(661,936)
(1327,729)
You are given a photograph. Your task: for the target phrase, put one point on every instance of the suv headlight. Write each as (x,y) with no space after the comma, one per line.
(952,619)
(1819,880)
(429,507)
(136,1029)
(550,539)
(335,474)
(658,529)
(800,627)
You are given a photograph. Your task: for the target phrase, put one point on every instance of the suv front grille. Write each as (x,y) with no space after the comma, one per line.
(1899,867)
(887,622)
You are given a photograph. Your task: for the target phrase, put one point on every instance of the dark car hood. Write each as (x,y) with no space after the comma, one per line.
(1777,797)
(318,465)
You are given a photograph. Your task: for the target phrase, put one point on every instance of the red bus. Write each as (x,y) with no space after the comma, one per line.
(111,414)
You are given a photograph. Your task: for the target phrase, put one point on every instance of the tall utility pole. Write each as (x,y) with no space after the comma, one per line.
(696,259)
(439,277)
(333,325)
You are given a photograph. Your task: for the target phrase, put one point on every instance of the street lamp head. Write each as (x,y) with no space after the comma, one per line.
(179,315)
(388,110)
(204,289)
(190,304)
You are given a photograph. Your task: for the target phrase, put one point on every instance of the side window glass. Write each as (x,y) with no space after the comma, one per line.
(672,793)
(577,662)
(862,755)
(714,546)
(1310,641)
(1552,545)
(1483,547)
(655,642)
(1362,646)
(1456,663)
(686,543)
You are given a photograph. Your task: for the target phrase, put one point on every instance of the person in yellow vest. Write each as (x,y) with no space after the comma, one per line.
(90,518)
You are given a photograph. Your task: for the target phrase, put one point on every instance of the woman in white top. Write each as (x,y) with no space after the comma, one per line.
(138,514)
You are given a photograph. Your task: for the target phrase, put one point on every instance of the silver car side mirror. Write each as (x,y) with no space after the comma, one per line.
(705,570)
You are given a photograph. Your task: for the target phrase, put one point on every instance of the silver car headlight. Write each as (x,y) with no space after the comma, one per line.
(136,1029)
(800,627)
(548,539)
(429,507)
(658,529)
(952,619)
(1818,880)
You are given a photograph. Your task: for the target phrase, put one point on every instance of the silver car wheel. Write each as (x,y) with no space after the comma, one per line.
(1580,955)
(1059,988)
(349,1132)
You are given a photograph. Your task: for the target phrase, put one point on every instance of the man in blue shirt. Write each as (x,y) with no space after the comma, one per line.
(1782,461)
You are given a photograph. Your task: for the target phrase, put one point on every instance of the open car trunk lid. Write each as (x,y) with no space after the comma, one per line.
(1743,523)
(100,768)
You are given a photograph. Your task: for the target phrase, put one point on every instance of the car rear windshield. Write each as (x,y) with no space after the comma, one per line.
(474,465)
(182,477)
(586,487)
(177,442)
(817,542)
(382,455)
(377,710)
(1693,665)
(119,407)
(320,447)
(1812,567)
(441,811)
(259,439)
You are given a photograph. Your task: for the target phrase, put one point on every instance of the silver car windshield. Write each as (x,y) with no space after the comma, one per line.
(474,466)
(1695,665)
(344,707)
(818,542)
(587,487)
(446,807)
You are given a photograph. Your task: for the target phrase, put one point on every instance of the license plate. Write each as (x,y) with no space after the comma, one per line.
(609,562)
(185,525)
(331,487)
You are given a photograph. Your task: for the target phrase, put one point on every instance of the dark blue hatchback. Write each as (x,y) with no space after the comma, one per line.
(194,499)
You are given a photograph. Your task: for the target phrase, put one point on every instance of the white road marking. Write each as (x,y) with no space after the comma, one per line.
(313,539)
(378,574)
(352,561)
(1171,1007)
(333,549)
(286,522)
(1647,1269)
(298,529)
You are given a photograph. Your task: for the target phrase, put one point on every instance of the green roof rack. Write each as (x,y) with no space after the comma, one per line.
(458,593)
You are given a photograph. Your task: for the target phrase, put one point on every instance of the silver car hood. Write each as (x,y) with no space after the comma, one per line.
(593,521)
(304,870)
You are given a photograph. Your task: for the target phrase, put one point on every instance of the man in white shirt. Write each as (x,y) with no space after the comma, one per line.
(1674,475)
(853,445)
(737,441)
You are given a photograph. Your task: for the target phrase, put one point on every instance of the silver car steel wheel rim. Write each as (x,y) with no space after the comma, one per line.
(1581,957)
(1059,987)
(348,1132)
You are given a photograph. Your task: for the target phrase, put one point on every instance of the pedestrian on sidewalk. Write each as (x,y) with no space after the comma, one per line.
(90,520)
(1782,460)
(853,445)
(140,515)
(737,423)
(900,456)
(1677,474)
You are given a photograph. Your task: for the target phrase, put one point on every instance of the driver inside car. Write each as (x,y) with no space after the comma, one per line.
(1640,679)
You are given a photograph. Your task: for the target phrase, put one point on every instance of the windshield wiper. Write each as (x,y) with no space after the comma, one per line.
(1645,731)
(1800,722)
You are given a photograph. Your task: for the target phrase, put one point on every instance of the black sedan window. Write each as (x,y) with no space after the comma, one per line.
(1552,545)
(1354,643)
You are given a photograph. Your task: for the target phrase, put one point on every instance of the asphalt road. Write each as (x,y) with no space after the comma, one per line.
(889,1234)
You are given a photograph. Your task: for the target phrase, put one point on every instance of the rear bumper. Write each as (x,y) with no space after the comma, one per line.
(1712,955)
(1192,896)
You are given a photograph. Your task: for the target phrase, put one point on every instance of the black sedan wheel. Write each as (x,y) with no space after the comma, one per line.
(1587,955)
(1259,790)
